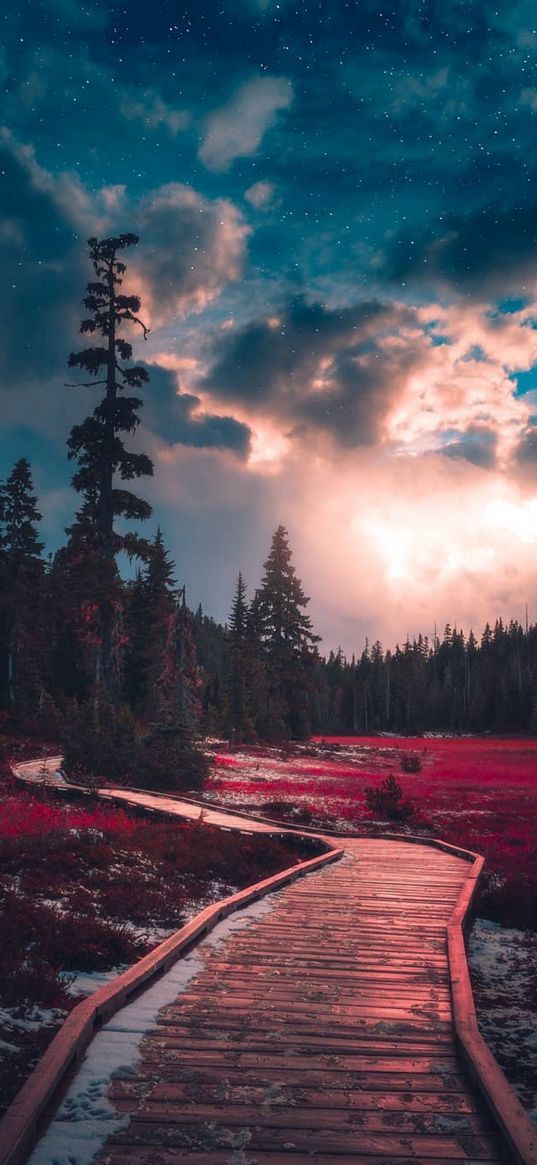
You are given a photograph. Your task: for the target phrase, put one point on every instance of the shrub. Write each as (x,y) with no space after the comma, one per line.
(99,743)
(170,759)
(287,811)
(111,744)
(511,900)
(388,800)
(411,763)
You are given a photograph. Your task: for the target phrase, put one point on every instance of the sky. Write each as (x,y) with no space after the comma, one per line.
(337,210)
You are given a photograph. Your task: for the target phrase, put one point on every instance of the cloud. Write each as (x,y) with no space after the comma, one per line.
(149,107)
(313,367)
(192,247)
(236,130)
(385,547)
(524,462)
(462,386)
(42,266)
(178,417)
(260,195)
(413,381)
(488,253)
(64,190)
(477,445)
(390,547)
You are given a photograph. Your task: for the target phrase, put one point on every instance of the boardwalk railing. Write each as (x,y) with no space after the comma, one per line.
(518,1130)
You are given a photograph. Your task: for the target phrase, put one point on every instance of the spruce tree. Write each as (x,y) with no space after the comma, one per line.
(22,574)
(151,624)
(97,445)
(241,669)
(172,757)
(287,639)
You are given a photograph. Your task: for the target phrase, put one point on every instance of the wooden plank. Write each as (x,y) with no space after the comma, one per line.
(318,1099)
(297,1041)
(294,1118)
(176,1070)
(340,1141)
(141,1155)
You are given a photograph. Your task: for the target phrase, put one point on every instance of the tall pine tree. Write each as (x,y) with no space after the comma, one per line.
(22,574)
(240,679)
(97,446)
(150,663)
(287,639)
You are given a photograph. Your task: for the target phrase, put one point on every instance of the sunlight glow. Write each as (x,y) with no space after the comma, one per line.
(268,449)
(518,518)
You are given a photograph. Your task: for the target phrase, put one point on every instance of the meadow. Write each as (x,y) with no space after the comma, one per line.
(479,793)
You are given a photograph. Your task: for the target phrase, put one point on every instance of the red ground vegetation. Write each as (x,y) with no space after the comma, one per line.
(477,793)
(24,817)
(88,889)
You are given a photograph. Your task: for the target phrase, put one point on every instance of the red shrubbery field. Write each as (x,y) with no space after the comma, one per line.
(24,817)
(478,793)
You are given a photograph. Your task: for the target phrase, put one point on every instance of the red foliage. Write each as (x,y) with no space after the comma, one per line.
(478,793)
(25,816)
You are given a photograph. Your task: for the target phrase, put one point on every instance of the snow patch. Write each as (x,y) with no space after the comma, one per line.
(86,1117)
(503,963)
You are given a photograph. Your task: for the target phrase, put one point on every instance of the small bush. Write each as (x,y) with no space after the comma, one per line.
(286,811)
(388,800)
(511,901)
(411,763)
(170,759)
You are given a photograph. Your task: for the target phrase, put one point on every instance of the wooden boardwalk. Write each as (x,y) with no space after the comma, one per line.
(325,1028)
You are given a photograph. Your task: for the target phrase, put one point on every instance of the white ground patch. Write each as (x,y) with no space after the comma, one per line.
(503,963)
(86,1117)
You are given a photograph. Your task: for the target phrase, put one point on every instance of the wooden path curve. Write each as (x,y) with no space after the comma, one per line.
(324,1028)
(336,1026)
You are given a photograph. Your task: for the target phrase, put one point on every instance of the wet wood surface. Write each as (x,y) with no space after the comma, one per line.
(323,1030)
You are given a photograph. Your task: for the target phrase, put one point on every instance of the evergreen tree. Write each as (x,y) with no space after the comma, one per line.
(187,680)
(241,669)
(150,662)
(287,639)
(172,757)
(21,576)
(98,447)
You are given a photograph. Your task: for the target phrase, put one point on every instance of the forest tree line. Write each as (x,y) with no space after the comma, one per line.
(129,678)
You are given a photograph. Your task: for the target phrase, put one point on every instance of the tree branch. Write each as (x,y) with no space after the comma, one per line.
(83,383)
(136,320)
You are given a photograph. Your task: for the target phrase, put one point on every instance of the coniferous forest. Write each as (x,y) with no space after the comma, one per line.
(129,676)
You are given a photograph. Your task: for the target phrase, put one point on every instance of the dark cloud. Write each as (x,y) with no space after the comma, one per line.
(41,263)
(477,445)
(174,416)
(526,451)
(486,254)
(316,367)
